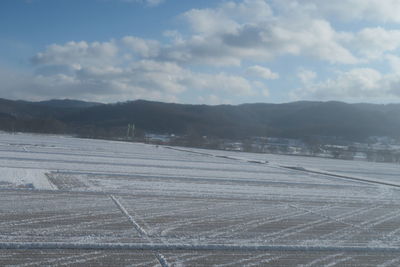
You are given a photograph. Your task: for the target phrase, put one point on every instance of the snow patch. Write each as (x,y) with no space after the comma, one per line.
(25,178)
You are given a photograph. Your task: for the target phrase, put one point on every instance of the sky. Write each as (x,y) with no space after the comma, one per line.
(201,52)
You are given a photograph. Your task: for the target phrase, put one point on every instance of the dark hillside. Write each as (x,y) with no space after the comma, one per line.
(297,119)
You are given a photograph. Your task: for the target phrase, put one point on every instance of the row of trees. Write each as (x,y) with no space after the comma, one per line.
(192,139)
(33,125)
(53,126)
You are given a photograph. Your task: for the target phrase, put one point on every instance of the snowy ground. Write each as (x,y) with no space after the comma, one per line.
(67,201)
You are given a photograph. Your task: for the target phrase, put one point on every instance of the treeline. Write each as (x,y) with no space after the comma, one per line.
(301,120)
(33,125)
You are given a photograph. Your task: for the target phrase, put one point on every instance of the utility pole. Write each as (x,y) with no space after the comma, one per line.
(130,134)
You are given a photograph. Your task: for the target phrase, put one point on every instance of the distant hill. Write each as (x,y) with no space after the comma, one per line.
(45,109)
(298,119)
(68,103)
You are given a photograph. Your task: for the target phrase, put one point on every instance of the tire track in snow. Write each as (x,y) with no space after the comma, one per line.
(242,261)
(55,260)
(340,219)
(182,211)
(330,218)
(265,261)
(367,225)
(392,235)
(317,262)
(364,225)
(145,263)
(81,226)
(336,262)
(189,257)
(246,226)
(392,262)
(231,215)
(48,219)
(83,260)
(55,232)
(309,225)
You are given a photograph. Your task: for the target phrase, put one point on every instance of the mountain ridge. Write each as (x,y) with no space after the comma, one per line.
(300,119)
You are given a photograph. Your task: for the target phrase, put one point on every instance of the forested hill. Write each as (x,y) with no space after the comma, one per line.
(297,119)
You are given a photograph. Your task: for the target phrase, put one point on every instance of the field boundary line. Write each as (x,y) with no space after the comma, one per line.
(161,259)
(293,168)
(192,247)
(138,228)
(345,177)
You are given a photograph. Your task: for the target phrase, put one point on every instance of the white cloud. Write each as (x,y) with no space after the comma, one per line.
(222,82)
(265,92)
(372,43)
(77,53)
(262,72)
(306,76)
(144,48)
(394,62)
(375,10)
(209,21)
(212,100)
(354,85)
(249,30)
(228,16)
(347,10)
(107,72)
(233,32)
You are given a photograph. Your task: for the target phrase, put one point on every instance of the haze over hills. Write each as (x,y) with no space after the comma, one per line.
(297,119)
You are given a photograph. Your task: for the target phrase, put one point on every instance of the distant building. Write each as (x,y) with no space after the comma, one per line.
(161,139)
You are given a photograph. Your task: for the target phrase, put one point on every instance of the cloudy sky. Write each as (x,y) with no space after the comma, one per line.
(208,51)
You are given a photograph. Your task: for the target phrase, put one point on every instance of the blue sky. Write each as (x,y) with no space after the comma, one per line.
(200,52)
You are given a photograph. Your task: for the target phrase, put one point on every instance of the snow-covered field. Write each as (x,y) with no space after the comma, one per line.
(66,201)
